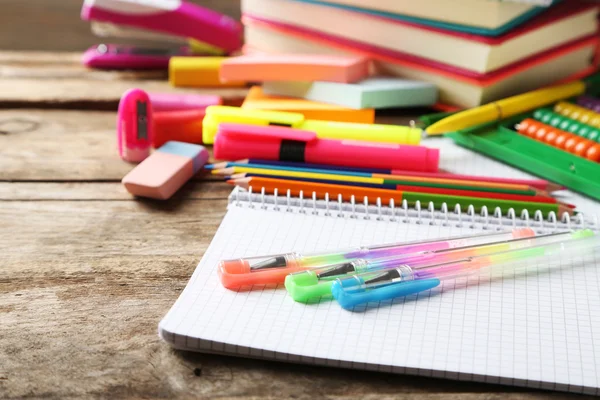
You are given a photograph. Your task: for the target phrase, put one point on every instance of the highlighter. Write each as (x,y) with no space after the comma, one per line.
(218,114)
(324,129)
(238,141)
(179,125)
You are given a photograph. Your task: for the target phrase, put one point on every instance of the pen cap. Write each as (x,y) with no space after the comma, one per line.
(135,130)
(182,126)
(348,300)
(216,115)
(237,141)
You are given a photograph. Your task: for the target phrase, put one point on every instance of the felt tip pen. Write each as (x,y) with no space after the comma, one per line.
(379,133)
(285,144)
(271,269)
(306,285)
(404,280)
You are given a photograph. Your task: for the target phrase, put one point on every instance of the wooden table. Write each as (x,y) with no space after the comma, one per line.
(88,272)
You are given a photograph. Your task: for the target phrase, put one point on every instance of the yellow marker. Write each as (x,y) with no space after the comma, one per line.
(507,107)
(218,114)
(324,129)
(257,100)
(367,132)
(296,174)
(578,113)
(198,72)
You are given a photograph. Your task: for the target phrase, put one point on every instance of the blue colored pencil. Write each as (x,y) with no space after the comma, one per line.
(281,164)
(329,181)
(296,169)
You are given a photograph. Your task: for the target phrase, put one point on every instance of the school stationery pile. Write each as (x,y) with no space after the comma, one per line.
(474,51)
(173,27)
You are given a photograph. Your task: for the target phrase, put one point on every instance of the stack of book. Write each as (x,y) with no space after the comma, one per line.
(475,51)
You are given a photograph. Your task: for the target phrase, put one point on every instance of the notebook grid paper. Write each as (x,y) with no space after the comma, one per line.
(538,327)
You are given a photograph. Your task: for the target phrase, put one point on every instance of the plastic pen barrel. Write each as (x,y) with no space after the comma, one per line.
(388,284)
(306,285)
(268,269)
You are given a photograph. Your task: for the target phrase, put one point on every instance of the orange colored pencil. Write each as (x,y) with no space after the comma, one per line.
(320,190)
(512,186)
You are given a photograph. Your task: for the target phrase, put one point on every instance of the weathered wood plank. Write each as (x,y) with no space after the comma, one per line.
(199,189)
(85,284)
(67,65)
(87,94)
(59,145)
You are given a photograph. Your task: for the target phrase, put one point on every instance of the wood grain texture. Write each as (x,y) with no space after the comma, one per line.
(55,25)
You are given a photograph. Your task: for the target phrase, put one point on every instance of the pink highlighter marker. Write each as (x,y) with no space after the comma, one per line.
(135,130)
(238,141)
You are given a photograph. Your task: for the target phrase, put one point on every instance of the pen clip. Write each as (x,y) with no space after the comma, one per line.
(265,133)
(349,299)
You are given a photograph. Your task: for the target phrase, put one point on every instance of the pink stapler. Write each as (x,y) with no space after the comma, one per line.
(174,17)
(114,56)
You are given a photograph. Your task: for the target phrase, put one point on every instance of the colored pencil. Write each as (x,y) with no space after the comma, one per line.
(277,164)
(536,183)
(360,193)
(416,189)
(383,179)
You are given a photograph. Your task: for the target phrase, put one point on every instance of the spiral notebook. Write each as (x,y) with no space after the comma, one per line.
(539,329)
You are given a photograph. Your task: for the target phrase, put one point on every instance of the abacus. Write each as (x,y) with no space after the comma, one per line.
(560,143)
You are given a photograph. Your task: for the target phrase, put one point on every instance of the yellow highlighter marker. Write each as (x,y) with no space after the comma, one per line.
(324,129)
(218,114)
(367,132)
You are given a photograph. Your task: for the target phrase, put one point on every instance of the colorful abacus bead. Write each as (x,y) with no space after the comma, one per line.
(578,113)
(561,139)
(561,122)
(589,102)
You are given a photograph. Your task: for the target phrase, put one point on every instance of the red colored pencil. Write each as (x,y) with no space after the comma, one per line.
(536,183)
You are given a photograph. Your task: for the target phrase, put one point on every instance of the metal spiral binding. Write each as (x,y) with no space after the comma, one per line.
(367,209)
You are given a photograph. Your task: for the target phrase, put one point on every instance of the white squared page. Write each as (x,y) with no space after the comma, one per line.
(537,329)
